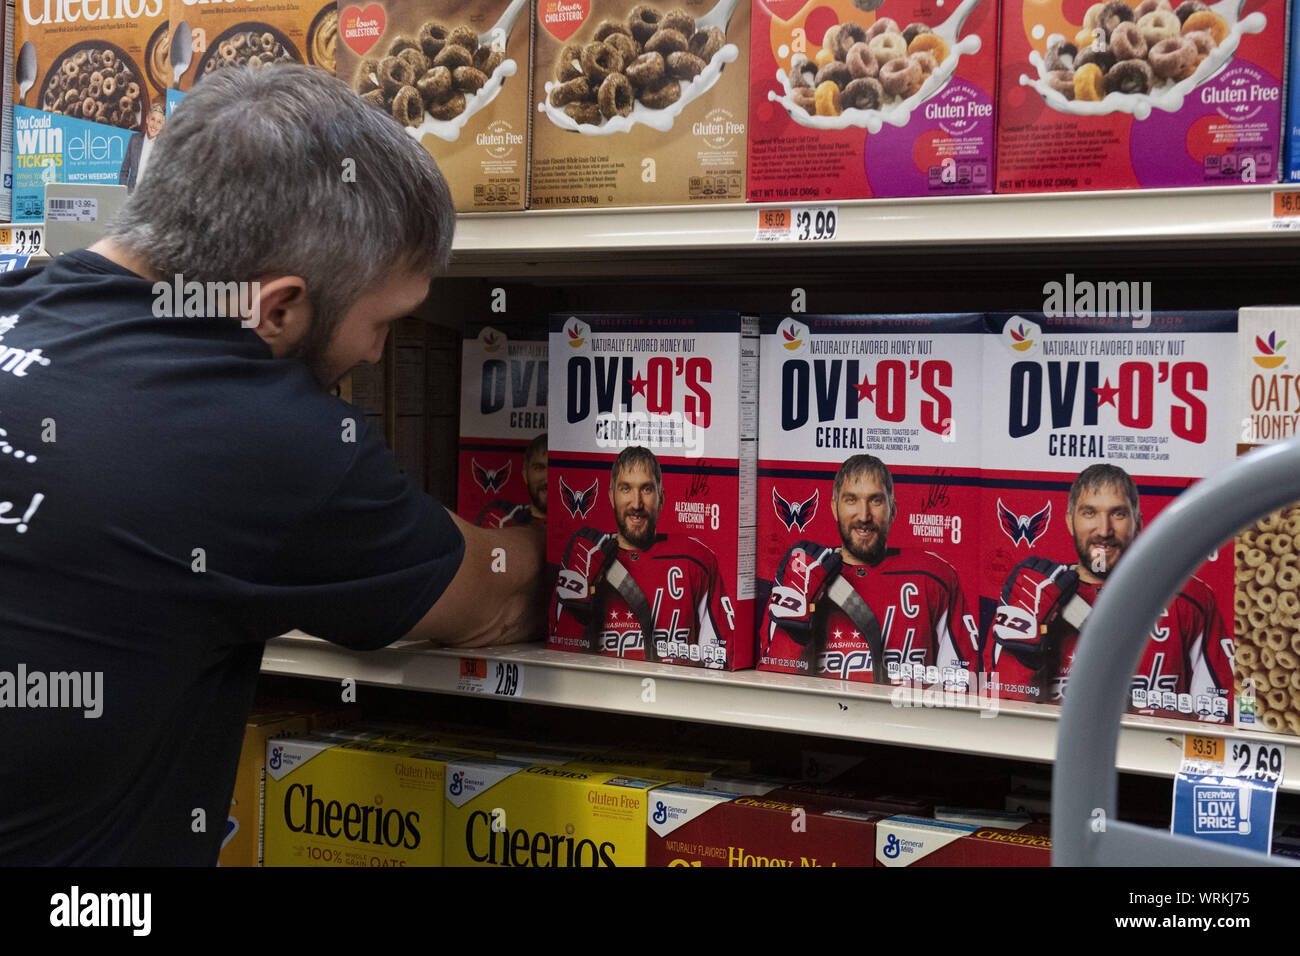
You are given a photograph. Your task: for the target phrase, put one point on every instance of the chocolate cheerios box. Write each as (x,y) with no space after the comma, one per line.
(83,93)
(455,74)
(639,104)
(206,35)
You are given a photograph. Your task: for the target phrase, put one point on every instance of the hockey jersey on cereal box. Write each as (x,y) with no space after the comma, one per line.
(885,558)
(1094,423)
(651,483)
(503,386)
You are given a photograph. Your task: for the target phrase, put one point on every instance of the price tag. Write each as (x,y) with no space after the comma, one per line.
(20,241)
(806,224)
(1286,210)
(497,678)
(1226,790)
(72,210)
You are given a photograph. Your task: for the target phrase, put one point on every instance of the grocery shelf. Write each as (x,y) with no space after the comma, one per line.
(753,699)
(1217,214)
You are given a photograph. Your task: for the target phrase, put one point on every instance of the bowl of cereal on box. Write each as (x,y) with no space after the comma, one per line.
(98,82)
(322,36)
(157,58)
(247,44)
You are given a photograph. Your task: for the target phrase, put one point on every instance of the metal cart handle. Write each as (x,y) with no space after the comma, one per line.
(1084,778)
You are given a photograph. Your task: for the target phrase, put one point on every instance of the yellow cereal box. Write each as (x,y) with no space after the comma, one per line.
(242,845)
(510,814)
(354,803)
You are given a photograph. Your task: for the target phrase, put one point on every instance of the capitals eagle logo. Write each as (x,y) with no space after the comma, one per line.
(578,502)
(1026,528)
(490,481)
(796,515)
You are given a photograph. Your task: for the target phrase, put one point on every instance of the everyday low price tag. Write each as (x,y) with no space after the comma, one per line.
(1226,791)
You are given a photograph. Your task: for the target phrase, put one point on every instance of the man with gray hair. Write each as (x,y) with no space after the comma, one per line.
(185,485)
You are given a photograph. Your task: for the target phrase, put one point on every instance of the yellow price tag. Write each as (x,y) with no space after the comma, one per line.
(1203,748)
(6,237)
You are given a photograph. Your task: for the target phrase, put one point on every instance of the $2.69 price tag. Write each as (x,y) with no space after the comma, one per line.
(497,678)
(1226,790)
(805,224)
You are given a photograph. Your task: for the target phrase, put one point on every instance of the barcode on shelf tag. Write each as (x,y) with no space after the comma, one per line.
(1286,210)
(498,678)
(72,210)
(805,224)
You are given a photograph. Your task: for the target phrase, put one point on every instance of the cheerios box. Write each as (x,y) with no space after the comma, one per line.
(850,103)
(82,94)
(207,35)
(503,813)
(503,403)
(462,90)
(1156,93)
(1267,596)
(639,104)
(333,802)
(920,841)
(242,843)
(1096,418)
(888,555)
(651,486)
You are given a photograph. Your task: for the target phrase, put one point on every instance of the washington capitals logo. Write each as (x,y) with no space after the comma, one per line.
(490,480)
(794,515)
(1024,528)
(578,503)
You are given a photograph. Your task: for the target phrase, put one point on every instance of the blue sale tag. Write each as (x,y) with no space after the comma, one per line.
(1229,810)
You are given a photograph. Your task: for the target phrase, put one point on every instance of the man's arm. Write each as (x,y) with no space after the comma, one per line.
(492,598)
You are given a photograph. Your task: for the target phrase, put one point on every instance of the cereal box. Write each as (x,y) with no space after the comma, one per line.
(651,472)
(884,560)
(206,35)
(639,104)
(1119,96)
(918,841)
(455,75)
(84,96)
(503,385)
(242,843)
(1095,420)
(509,814)
(852,100)
(354,803)
(1267,611)
(698,827)
(1291,127)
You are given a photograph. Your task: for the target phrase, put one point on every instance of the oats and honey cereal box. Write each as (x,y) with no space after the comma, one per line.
(461,91)
(918,841)
(501,813)
(651,473)
(206,35)
(83,96)
(699,827)
(852,100)
(1291,127)
(1096,419)
(1266,596)
(871,577)
(354,803)
(1151,94)
(639,104)
(503,385)
(242,844)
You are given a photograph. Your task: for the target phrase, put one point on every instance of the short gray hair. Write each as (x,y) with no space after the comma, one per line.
(247,180)
(634,455)
(1101,476)
(859,465)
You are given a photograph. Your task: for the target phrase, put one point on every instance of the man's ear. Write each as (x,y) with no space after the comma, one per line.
(281,313)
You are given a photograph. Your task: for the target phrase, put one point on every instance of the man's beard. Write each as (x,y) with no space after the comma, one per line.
(1084,550)
(538,497)
(870,554)
(313,350)
(647,538)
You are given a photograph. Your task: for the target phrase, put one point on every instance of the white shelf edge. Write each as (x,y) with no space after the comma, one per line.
(753,699)
(1216,213)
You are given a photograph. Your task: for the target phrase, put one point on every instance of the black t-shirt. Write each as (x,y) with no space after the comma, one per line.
(171,496)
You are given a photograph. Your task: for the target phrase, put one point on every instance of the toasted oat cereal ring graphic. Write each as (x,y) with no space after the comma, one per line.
(1278,699)
(569,66)
(468,80)
(615,96)
(1264,575)
(929,43)
(435,85)
(861,61)
(1285,658)
(678,20)
(684,66)
(463,37)
(432,38)
(1295,676)
(1129,76)
(643,21)
(1277,641)
(901,78)
(449,108)
(574,91)
(1255,557)
(1257,617)
(419,62)
(803,73)
(804,98)
(887,46)
(599,61)
(1267,659)
(1159,25)
(70,68)
(1242,575)
(881,26)
(408,106)
(452,56)
(1293,523)
(585,114)
(665,42)
(1063,82)
(823,56)
(608,28)
(706,43)
(848,35)
(1093,54)
(925,60)
(1279,677)
(1270,522)
(486,60)
(662,95)
(1113,14)
(1203,41)
(627,48)
(1174,59)
(1246,657)
(833,72)
(646,70)
(376,99)
(1060,56)
(863,93)
(394,73)
(1292,722)
(1187,8)
(828,100)
(1209,21)
(1273,721)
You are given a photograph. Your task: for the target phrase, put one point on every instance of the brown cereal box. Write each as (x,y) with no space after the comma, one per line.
(455,74)
(206,35)
(82,93)
(672,130)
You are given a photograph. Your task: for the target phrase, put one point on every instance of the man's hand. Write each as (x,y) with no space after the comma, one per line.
(583,567)
(1034,596)
(503,514)
(801,582)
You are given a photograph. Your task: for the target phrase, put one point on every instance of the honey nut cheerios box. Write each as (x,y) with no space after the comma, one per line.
(1267,565)
(455,74)
(639,103)
(82,91)
(207,35)
(850,100)
(242,843)
(919,841)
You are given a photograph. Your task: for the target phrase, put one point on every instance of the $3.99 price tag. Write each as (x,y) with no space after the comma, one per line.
(805,224)
(497,678)
(1226,790)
